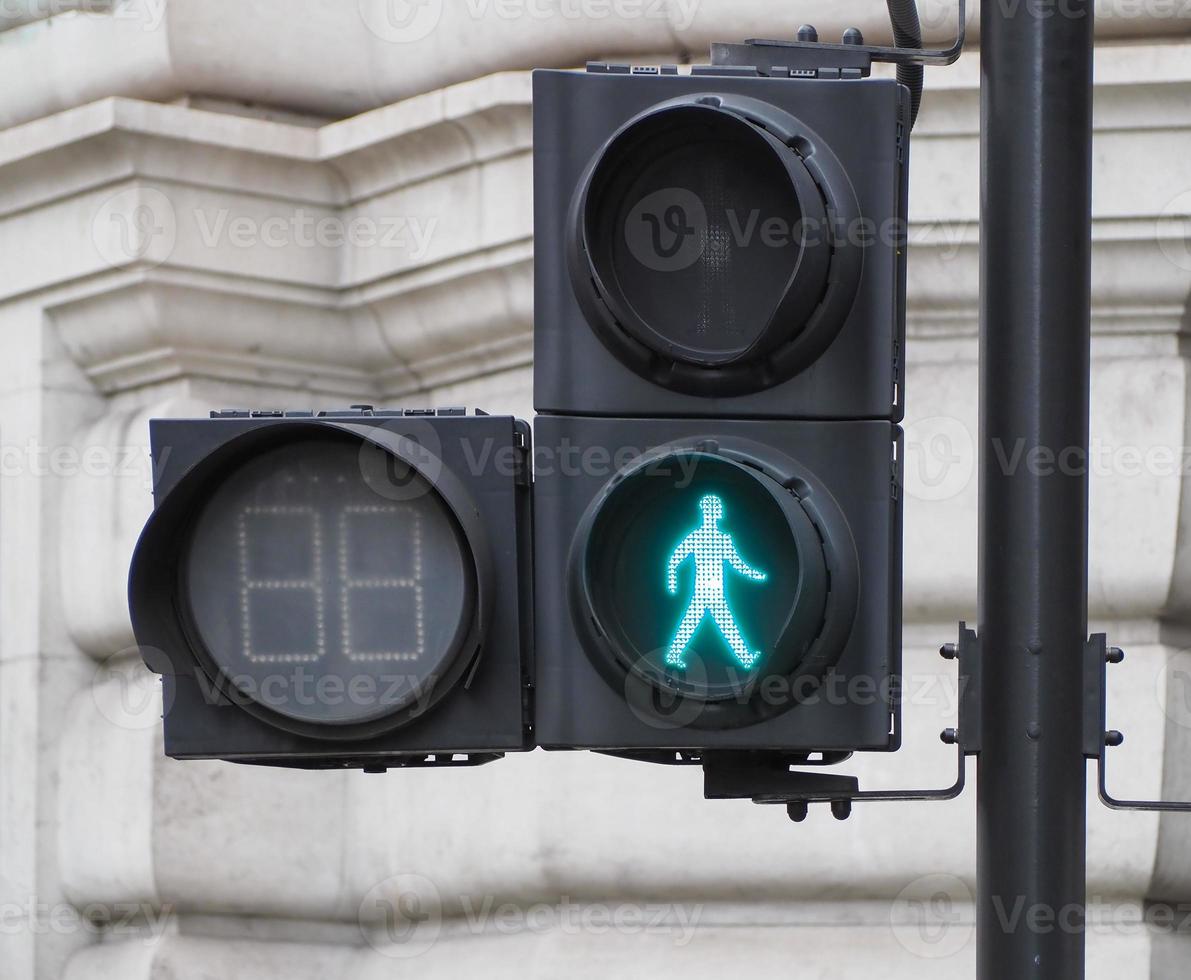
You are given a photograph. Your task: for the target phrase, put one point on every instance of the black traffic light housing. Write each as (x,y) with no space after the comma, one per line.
(611,503)
(719,325)
(719,244)
(345,589)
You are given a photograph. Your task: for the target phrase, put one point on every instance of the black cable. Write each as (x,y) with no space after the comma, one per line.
(907,33)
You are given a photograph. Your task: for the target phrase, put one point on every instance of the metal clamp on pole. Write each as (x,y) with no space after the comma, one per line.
(769,780)
(771,57)
(1098,739)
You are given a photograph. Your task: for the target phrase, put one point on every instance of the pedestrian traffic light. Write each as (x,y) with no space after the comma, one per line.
(340,589)
(719,320)
(708,584)
(711,563)
(719,244)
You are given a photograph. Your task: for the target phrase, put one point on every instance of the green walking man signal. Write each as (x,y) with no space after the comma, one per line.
(711,548)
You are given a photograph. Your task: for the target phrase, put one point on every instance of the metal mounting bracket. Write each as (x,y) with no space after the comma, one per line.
(769,779)
(1098,739)
(786,58)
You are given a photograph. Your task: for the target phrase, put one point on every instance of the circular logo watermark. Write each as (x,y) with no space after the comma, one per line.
(927,916)
(401,917)
(127,693)
(401,21)
(667,230)
(137,224)
(410,472)
(940,458)
(662,708)
(1177,248)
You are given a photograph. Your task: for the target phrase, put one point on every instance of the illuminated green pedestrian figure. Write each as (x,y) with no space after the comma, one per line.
(711,548)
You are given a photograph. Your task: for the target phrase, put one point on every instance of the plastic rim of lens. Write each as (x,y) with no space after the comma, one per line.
(165,541)
(827,554)
(806,311)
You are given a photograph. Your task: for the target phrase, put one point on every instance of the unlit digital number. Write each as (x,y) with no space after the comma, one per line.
(251,586)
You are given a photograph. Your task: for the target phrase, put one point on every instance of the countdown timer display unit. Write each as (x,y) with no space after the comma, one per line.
(322,590)
(328,579)
(723,592)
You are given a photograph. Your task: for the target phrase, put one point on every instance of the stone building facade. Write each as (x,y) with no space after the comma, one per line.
(311,203)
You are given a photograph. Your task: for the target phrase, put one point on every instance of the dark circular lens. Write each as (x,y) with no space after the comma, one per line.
(709,210)
(702,576)
(702,252)
(319,598)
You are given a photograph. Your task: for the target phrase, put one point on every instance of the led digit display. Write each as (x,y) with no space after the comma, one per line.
(285,582)
(307,587)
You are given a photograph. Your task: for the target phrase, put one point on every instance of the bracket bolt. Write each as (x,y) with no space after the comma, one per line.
(948,651)
(807,33)
(1113,739)
(853,35)
(949,736)
(797,810)
(1114,655)
(841,809)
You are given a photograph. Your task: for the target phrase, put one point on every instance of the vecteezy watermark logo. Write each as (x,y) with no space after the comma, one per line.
(148,13)
(931,917)
(940,458)
(410,468)
(1176,247)
(122,921)
(126,693)
(485,916)
(69,461)
(402,916)
(137,224)
(401,21)
(679,15)
(664,709)
(304,687)
(409,234)
(667,230)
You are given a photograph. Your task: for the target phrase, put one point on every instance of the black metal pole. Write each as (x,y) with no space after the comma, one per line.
(1036,94)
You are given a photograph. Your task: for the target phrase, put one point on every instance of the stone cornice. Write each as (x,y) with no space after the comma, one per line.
(395,246)
(341,58)
(167,188)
